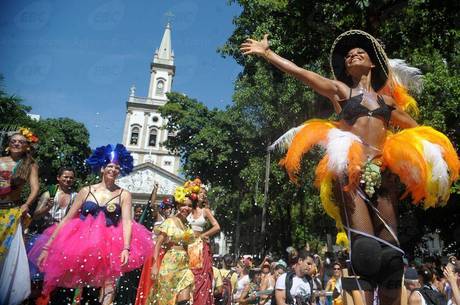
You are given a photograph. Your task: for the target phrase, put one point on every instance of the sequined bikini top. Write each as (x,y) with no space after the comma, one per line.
(353,109)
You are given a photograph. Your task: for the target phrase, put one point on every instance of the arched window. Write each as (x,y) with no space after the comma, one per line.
(160,87)
(153,137)
(134,136)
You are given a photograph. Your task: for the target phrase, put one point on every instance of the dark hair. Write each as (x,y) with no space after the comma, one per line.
(63,169)
(297,255)
(337,263)
(24,165)
(253,273)
(228,260)
(426,274)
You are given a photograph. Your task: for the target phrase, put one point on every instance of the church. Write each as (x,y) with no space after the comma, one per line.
(143,134)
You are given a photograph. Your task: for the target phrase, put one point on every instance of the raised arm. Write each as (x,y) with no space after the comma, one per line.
(44,205)
(334,90)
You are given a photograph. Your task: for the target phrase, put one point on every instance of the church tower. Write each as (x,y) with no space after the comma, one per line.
(143,134)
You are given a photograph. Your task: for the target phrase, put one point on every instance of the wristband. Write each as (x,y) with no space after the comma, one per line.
(127,248)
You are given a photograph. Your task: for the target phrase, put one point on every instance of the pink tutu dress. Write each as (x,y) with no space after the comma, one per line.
(87,249)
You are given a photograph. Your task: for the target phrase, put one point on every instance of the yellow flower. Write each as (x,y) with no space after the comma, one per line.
(179,194)
(342,239)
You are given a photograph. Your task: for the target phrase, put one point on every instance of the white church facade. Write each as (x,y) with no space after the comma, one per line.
(143,134)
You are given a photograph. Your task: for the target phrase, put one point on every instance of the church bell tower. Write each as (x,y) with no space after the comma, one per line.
(143,134)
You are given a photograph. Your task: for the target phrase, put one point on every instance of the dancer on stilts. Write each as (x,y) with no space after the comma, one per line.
(358,175)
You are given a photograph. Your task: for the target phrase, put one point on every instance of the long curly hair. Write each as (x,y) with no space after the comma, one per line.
(24,165)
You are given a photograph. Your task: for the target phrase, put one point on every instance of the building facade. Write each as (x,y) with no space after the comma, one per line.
(143,134)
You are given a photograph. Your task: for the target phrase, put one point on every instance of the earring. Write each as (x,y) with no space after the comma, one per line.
(7,150)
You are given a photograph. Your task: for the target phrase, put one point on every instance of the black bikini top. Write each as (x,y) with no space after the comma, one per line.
(352,110)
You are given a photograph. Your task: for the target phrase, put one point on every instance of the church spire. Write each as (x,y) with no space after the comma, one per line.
(165,55)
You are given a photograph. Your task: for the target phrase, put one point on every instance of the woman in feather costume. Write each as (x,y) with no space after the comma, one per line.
(358,176)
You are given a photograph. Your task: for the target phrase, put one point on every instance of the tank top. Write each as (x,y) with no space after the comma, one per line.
(198,223)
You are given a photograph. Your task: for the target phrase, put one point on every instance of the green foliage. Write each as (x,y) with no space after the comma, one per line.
(12,111)
(62,141)
(227,147)
(422,32)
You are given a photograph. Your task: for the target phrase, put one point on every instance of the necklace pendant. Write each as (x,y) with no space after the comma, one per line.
(111,207)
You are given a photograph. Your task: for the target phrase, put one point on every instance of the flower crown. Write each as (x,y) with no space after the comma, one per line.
(190,189)
(28,134)
(104,155)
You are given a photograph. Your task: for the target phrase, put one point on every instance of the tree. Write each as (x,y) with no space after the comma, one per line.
(423,32)
(62,141)
(227,147)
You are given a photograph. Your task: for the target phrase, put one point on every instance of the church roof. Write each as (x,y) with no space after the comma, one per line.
(165,54)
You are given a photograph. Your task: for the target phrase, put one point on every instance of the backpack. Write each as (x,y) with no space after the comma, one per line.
(431,296)
(227,290)
(288,285)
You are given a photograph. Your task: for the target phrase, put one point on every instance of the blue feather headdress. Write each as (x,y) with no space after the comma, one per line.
(104,155)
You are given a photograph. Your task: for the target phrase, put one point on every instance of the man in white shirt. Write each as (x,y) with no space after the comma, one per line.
(55,206)
(298,282)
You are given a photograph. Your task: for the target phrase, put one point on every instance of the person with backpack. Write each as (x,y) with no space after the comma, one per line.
(229,280)
(428,294)
(296,287)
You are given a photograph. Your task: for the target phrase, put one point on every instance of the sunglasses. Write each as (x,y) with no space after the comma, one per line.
(14,141)
(336,268)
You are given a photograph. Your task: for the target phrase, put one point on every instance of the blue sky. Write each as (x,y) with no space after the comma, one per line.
(78,59)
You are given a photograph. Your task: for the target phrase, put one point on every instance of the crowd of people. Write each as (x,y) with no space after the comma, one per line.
(313,279)
(85,248)
(68,247)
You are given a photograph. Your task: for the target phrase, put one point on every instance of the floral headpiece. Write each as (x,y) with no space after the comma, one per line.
(190,189)
(28,134)
(167,203)
(104,155)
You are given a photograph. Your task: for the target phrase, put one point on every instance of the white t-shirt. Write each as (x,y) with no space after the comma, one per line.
(240,284)
(300,288)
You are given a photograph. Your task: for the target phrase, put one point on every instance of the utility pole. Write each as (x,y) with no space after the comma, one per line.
(265,203)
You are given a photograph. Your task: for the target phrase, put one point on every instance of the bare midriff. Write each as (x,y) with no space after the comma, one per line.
(372,131)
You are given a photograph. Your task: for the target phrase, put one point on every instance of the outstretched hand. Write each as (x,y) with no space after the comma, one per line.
(251,46)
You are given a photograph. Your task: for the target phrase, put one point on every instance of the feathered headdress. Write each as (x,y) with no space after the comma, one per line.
(104,155)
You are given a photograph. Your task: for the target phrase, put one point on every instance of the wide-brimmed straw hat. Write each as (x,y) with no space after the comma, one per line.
(359,39)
